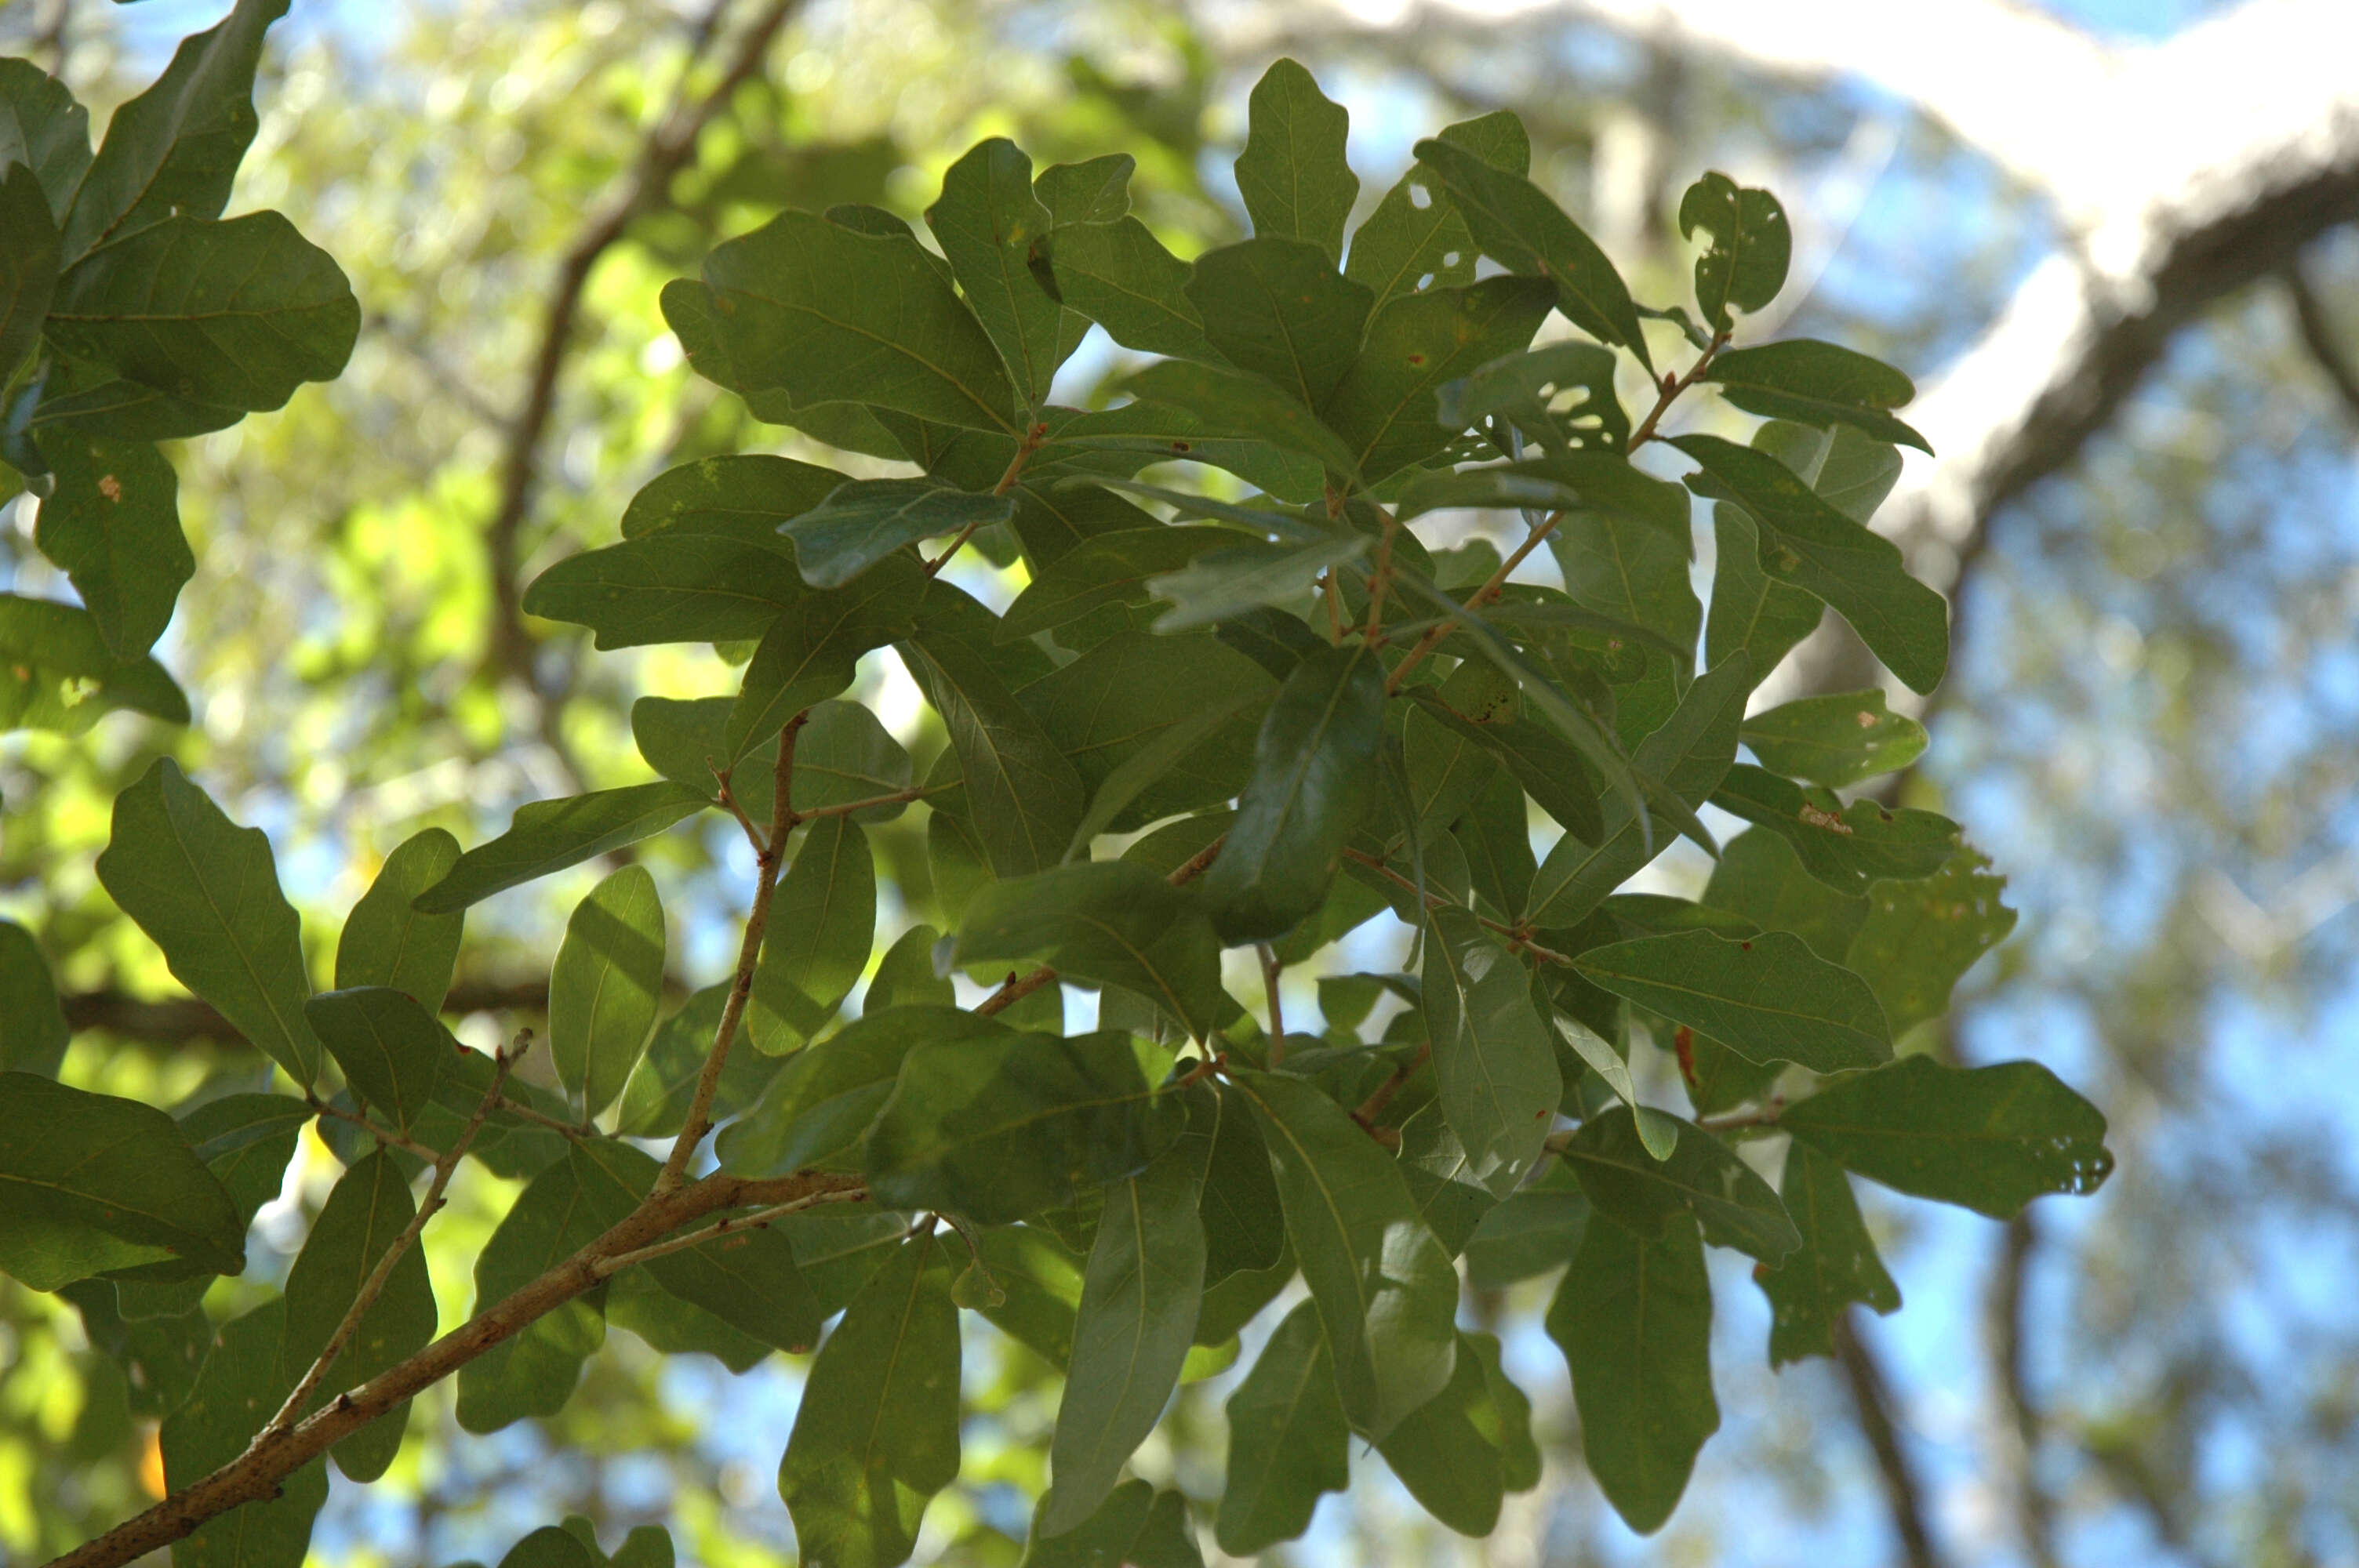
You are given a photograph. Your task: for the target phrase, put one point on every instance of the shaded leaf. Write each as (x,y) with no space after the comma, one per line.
(986,219)
(877,1434)
(206,892)
(1559,397)
(1023,797)
(1449,1451)
(1845,846)
(1278,307)
(732,496)
(1137,1527)
(42,127)
(33,1034)
(866,520)
(822,1102)
(1835,740)
(1529,1234)
(1744,265)
(1767,997)
(238,313)
(392,1051)
(604,987)
(1384,1288)
(1110,569)
(93,1182)
(1415,239)
(1760,879)
(1496,1074)
(549,835)
(1634,1319)
(998,1129)
(1292,173)
(1108,923)
(1287,1439)
(240,1387)
(1628,1185)
(387,941)
(1119,275)
(30,251)
(563,1209)
(812,652)
(673,586)
(1233,405)
(1836,1266)
(1388,406)
(1987,1139)
(822,924)
(1817,383)
(1918,938)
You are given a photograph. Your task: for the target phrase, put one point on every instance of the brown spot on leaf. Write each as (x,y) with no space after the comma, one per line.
(110,487)
(1815,817)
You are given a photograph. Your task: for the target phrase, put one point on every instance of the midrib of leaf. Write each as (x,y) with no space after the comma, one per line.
(999,420)
(1327,1197)
(1138,955)
(244,960)
(892,1366)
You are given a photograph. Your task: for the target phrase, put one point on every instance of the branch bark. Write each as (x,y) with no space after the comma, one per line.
(1872,1400)
(2334,358)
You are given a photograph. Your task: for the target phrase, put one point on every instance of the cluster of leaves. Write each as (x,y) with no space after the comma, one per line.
(1289,714)
(132,312)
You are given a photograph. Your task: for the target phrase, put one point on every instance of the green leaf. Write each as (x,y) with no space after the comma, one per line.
(1022,797)
(56,674)
(1415,239)
(30,255)
(812,652)
(1768,998)
(1760,879)
(1919,937)
(1244,1227)
(549,835)
(905,975)
(673,586)
(245,1141)
(1222,583)
(43,127)
(1987,1139)
(33,1034)
(603,986)
(1845,846)
(240,1387)
(206,892)
(1105,923)
(365,1213)
(1635,572)
(1494,835)
(1744,265)
(1139,1298)
(1817,383)
(238,313)
(822,1101)
(986,220)
(1534,1231)
(844,754)
(1836,1266)
(1807,541)
(1206,735)
(1278,307)
(1094,190)
(1702,1175)
(866,520)
(392,1051)
(550,1546)
(1634,1319)
(532,1372)
(1835,740)
(91,1183)
(877,1434)
(822,924)
(822,313)
(1496,488)
(1292,174)
(1137,1527)
(1387,406)
(1039,1281)
(1451,1451)
(387,942)
(655,1102)
(1516,225)
(1119,275)
(1385,1290)
(839,1252)
(734,497)
(1108,569)
(1287,1439)
(1233,405)
(748,1282)
(1689,754)
(1534,391)
(1310,764)
(175,148)
(1541,760)
(1496,1074)
(1849,471)
(998,1129)
(1657,1133)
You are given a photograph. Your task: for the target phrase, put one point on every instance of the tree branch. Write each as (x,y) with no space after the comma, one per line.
(2317,333)
(667,148)
(257,1473)
(1870,1397)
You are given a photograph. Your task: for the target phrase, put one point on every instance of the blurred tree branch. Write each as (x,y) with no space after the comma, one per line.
(2317,333)
(666,150)
(1871,1396)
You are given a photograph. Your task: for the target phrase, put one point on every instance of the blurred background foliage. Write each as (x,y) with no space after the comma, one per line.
(2149,726)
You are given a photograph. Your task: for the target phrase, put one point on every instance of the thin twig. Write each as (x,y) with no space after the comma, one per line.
(1764,1115)
(749,953)
(1669,392)
(1491,589)
(1872,1400)
(384,1135)
(502,1061)
(1382,577)
(1271,968)
(1373,1106)
(1024,450)
(729,799)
